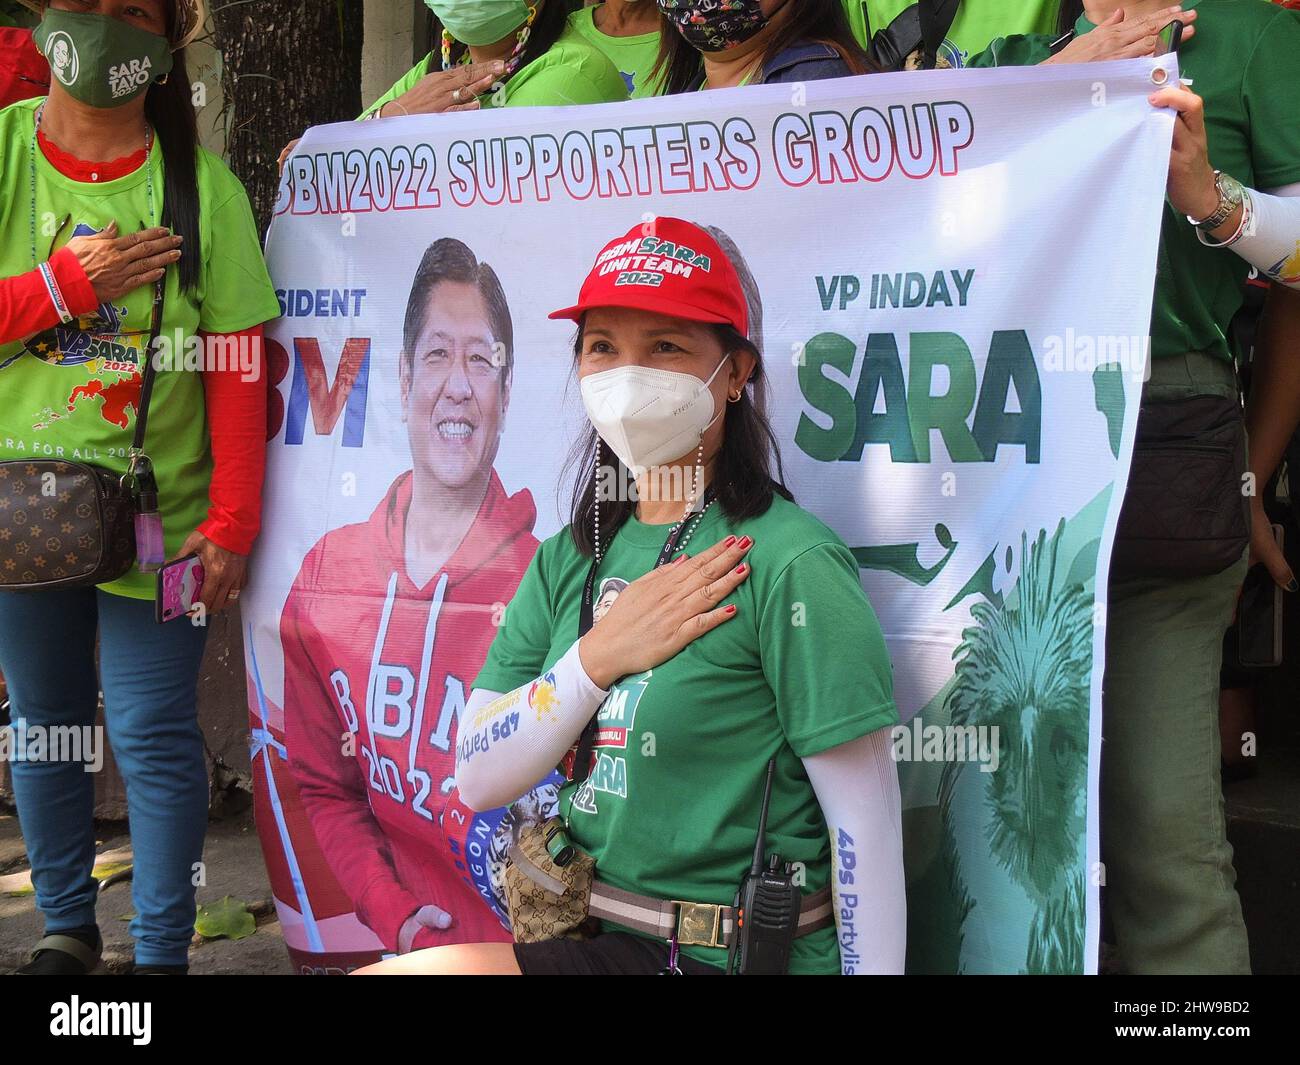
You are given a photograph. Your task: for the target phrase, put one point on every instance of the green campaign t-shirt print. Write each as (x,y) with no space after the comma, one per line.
(615,723)
(72,392)
(671,807)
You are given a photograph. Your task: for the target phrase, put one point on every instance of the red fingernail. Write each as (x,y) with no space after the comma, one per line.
(678,559)
(745,541)
(740,568)
(728,541)
(730,609)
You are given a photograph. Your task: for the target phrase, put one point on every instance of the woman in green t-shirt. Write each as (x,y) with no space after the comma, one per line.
(543,65)
(110,210)
(503,53)
(628,32)
(690,631)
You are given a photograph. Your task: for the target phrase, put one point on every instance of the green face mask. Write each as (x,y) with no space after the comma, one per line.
(479,22)
(101,61)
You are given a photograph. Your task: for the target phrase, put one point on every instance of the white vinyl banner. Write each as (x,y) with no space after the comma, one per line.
(954,271)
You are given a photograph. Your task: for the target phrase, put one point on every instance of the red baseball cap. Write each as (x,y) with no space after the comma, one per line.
(669,266)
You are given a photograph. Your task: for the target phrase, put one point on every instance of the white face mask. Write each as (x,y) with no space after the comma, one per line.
(648,416)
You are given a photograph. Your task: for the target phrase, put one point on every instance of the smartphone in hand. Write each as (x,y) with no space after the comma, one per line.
(180,585)
(1170,38)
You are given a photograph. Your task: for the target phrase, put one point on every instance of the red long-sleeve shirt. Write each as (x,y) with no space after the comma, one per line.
(236,406)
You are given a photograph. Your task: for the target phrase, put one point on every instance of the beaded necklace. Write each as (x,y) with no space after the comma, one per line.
(512,64)
(691,516)
(148,176)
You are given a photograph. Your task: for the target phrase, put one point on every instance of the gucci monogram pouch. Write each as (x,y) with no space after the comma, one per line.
(546,900)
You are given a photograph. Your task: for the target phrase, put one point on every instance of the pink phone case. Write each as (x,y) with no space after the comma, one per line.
(179,586)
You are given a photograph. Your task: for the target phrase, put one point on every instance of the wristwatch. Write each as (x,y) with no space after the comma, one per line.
(1231,195)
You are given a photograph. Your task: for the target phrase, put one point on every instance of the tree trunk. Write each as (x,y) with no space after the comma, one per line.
(286,65)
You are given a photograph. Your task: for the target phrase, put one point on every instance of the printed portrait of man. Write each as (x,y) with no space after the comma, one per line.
(390,619)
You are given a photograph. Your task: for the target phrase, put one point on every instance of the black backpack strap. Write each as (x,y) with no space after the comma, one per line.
(920,27)
(865,11)
(936,17)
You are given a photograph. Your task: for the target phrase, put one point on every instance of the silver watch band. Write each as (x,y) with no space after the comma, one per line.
(1230,198)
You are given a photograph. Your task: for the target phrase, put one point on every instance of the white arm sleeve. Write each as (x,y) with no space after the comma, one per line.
(506,743)
(857,786)
(1270,237)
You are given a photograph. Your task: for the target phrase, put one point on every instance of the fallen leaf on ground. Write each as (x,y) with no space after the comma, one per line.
(228,919)
(106,869)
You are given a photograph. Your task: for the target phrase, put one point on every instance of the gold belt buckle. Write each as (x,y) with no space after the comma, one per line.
(699,924)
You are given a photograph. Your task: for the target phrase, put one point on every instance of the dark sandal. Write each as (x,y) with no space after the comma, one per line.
(60,955)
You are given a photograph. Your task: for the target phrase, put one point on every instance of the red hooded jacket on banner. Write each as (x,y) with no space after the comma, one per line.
(375,775)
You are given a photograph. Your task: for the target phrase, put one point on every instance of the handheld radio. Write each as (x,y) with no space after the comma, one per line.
(767,907)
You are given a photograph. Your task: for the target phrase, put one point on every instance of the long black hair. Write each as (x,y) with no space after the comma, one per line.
(823,21)
(170,110)
(547,28)
(1068,15)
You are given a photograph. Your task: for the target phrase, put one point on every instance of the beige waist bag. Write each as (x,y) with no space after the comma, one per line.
(546,900)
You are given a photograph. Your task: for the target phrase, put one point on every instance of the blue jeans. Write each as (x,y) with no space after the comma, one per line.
(149,674)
